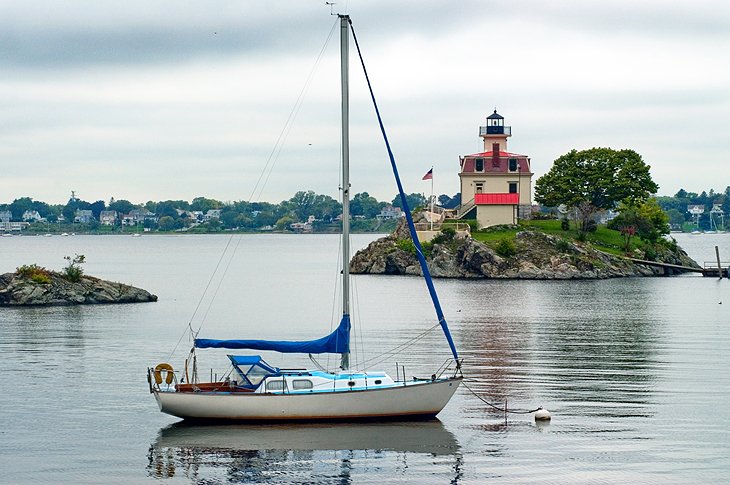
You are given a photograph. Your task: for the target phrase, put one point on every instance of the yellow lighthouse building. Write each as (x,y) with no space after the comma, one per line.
(496,185)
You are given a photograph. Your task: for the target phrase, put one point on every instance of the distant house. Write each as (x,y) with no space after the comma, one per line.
(6,216)
(696,209)
(301,226)
(83,216)
(13,226)
(212,214)
(390,212)
(138,216)
(108,218)
(32,216)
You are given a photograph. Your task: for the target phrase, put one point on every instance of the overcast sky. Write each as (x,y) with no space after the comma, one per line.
(154,100)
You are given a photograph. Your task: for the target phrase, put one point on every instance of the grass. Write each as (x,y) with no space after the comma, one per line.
(604,239)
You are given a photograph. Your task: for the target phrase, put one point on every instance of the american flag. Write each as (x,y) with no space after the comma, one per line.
(429,175)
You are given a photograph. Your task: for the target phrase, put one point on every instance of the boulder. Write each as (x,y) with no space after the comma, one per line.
(18,290)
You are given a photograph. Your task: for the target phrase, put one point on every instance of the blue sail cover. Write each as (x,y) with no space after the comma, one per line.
(338,342)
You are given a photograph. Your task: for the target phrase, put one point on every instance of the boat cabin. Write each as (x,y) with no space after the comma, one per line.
(251,369)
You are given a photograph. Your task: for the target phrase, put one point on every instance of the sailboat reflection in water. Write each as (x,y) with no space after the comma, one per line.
(257,391)
(280,452)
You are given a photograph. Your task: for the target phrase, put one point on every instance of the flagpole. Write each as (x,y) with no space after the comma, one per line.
(431,199)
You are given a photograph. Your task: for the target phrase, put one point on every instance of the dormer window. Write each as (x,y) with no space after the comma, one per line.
(512,164)
(479,165)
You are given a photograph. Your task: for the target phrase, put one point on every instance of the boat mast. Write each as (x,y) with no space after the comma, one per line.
(344,43)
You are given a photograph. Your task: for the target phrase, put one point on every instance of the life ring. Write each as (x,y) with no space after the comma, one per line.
(169,376)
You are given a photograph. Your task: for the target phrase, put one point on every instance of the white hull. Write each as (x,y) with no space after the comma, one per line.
(414,399)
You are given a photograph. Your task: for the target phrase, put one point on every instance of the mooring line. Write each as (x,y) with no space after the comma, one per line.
(502,409)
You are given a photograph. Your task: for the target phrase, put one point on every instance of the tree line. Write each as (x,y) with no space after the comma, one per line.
(178,214)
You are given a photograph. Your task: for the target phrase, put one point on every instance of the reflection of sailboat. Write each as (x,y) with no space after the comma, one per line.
(257,391)
(413,436)
(284,452)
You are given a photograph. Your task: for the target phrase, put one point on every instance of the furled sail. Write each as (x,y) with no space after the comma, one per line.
(338,342)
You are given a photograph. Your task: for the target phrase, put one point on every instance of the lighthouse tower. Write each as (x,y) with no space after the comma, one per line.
(495,132)
(496,185)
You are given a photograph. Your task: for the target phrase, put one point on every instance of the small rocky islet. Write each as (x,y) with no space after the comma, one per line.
(537,256)
(55,289)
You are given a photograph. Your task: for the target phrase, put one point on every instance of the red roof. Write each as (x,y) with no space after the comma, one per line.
(501,154)
(468,163)
(496,199)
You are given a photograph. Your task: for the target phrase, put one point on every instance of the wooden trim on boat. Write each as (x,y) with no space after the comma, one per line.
(210,387)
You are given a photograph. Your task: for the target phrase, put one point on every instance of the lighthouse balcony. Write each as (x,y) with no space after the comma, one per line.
(495,130)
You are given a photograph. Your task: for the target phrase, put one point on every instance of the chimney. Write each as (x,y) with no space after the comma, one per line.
(495,154)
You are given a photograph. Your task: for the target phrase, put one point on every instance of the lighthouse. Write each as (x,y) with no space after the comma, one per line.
(496,185)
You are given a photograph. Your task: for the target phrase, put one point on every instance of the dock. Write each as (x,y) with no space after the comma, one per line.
(710,268)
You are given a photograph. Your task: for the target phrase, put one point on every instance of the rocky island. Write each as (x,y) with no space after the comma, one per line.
(534,255)
(36,286)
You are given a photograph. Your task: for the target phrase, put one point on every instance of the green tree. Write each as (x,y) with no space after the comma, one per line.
(647,221)
(363,204)
(301,204)
(166,223)
(594,179)
(283,223)
(414,200)
(122,206)
(676,217)
(204,205)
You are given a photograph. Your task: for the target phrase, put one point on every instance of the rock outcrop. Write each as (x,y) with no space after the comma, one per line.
(537,256)
(19,290)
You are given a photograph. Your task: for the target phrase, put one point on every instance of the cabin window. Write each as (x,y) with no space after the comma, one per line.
(513,187)
(298,384)
(479,164)
(378,382)
(275,385)
(512,164)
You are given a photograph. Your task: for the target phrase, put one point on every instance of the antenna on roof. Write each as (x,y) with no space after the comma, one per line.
(331,4)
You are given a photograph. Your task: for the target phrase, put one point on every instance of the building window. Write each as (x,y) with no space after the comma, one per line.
(512,187)
(512,164)
(479,164)
(479,187)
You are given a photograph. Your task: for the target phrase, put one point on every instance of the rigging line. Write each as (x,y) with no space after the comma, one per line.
(335,297)
(498,408)
(218,287)
(361,342)
(411,227)
(202,297)
(270,166)
(374,360)
(276,150)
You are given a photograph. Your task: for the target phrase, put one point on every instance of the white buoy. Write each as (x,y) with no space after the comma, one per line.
(542,415)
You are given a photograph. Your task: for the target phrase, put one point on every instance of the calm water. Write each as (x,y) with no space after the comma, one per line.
(635,372)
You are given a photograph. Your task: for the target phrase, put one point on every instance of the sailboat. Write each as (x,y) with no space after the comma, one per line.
(257,391)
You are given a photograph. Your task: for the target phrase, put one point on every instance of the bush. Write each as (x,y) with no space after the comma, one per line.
(446,235)
(562,245)
(406,245)
(506,248)
(591,226)
(73,271)
(565,224)
(36,273)
(650,252)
